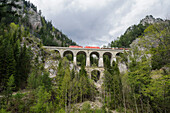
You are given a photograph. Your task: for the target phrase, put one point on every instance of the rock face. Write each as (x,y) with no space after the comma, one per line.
(29,13)
(122,67)
(51,65)
(150,20)
(34,19)
(51,62)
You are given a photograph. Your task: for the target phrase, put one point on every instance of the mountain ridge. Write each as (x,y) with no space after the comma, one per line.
(37,24)
(134,32)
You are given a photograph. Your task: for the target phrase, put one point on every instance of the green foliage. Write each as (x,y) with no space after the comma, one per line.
(37,79)
(158,92)
(81,59)
(33,81)
(138,90)
(12,56)
(129,36)
(10,85)
(95,75)
(69,57)
(3,111)
(86,108)
(159,44)
(143,90)
(83,71)
(42,104)
(112,86)
(7,14)
(9,89)
(46,81)
(107,62)
(16,103)
(49,34)
(94,61)
(72,87)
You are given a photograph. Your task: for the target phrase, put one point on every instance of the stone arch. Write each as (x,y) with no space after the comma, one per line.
(95,75)
(105,56)
(118,54)
(58,54)
(83,57)
(94,58)
(66,54)
(57,51)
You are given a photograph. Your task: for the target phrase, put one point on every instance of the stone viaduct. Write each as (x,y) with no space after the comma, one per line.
(112,53)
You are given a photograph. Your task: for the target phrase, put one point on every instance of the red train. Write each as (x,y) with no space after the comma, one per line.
(123,48)
(90,47)
(75,46)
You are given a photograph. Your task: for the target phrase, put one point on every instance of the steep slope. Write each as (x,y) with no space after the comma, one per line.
(134,32)
(28,16)
(156,43)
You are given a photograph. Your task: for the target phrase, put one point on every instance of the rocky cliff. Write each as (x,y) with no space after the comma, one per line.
(33,20)
(149,19)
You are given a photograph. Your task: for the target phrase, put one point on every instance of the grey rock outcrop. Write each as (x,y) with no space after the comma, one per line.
(33,17)
(150,20)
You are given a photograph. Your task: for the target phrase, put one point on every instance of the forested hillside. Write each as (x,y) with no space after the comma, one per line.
(36,80)
(24,13)
(134,32)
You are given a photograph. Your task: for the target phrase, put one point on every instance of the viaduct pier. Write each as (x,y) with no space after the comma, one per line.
(112,53)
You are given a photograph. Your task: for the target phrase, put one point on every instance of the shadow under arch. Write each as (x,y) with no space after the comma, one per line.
(107,59)
(94,58)
(81,58)
(58,55)
(68,54)
(119,54)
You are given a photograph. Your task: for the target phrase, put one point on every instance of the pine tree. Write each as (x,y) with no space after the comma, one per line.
(10,61)
(25,65)
(6,12)
(9,89)
(65,88)
(42,104)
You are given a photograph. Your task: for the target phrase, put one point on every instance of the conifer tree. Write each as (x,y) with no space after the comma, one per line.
(9,89)
(42,104)
(65,88)
(10,61)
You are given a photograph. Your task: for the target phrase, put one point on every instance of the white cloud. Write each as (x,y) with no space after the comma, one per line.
(98,22)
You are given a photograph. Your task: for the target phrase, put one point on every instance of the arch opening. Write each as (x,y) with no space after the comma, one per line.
(57,56)
(81,58)
(119,54)
(69,55)
(94,59)
(107,59)
(95,75)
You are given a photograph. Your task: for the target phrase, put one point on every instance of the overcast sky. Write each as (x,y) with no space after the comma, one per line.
(98,22)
